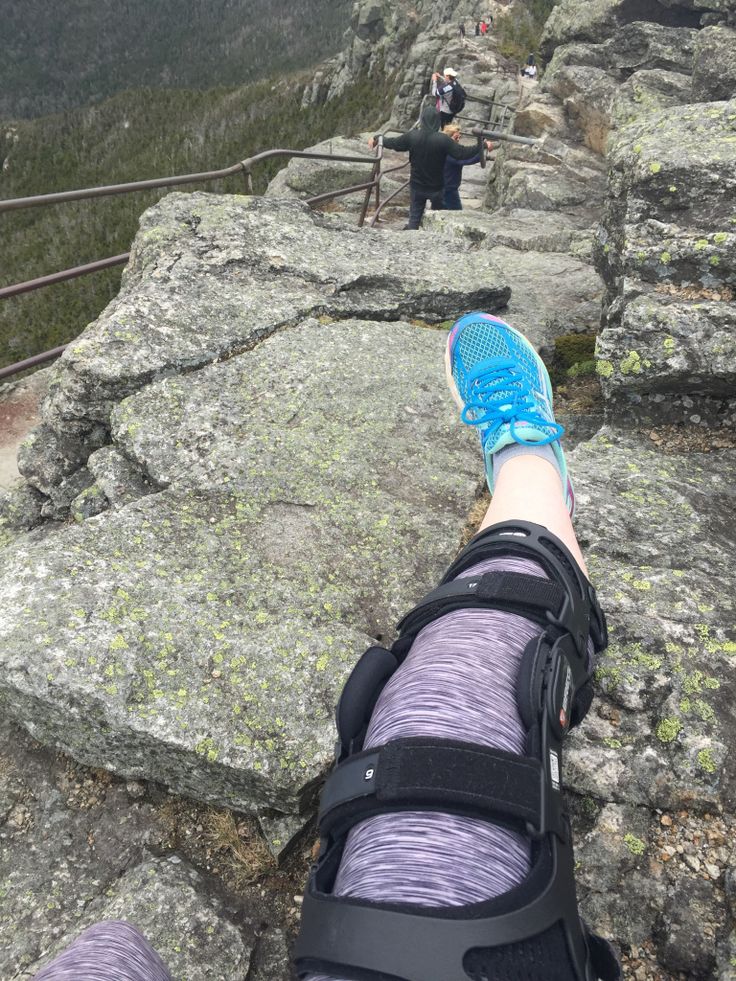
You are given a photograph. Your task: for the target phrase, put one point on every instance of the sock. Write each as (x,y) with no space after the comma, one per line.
(544,451)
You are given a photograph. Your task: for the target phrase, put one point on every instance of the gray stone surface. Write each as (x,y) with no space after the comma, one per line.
(516,228)
(635,46)
(117,478)
(596,21)
(210,276)
(714,68)
(200,636)
(656,530)
(666,254)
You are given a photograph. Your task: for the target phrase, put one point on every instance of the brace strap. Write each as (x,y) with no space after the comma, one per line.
(440,774)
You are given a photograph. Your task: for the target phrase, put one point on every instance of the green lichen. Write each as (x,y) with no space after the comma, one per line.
(701,244)
(669,344)
(668,730)
(635,845)
(706,761)
(631,364)
(720,237)
(604,368)
(655,167)
(665,257)
(714,260)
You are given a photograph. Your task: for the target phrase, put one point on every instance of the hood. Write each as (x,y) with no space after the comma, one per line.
(430,119)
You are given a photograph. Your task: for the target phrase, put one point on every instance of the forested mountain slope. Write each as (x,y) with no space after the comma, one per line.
(58,56)
(136,135)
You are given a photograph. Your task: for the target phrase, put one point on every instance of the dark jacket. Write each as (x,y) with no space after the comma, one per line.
(428,150)
(454,170)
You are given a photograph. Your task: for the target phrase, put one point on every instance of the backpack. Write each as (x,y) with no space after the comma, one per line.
(457,99)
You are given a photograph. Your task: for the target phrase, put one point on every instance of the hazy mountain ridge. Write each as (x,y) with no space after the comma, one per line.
(61,56)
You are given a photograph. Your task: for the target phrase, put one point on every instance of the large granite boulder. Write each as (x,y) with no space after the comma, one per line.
(210,276)
(595,21)
(714,69)
(199,636)
(666,253)
(651,767)
(634,47)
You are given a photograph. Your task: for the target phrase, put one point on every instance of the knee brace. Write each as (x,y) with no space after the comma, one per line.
(534,931)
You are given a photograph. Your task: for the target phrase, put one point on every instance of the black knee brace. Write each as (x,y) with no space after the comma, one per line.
(533,932)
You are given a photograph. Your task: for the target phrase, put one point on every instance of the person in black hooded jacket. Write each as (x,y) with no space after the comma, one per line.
(428,149)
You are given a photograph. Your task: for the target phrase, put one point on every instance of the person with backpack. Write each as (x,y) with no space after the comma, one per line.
(449,93)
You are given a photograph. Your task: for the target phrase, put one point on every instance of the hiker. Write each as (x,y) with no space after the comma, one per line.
(477,28)
(529,71)
(446,852)
(428,149)
(483,28)
(461,31)
(449,93)
(453,173)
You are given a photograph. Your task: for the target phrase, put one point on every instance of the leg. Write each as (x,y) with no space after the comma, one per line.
(438,201)
(417,205)
(452,199)
(473,678)
(114,950)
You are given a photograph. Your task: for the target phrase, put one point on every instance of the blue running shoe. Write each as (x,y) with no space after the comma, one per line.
(502,386)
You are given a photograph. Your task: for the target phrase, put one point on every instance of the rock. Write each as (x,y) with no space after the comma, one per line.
(634,47)
(212,275)
(195,939)
(295,474)
(668,261)
(616,851)
(20,510)
(642,520)
(65,492)
(685,946)
(281,832)
(714,68)
(517,228)
(551,292)
(271,960)
(595,21)
(88,504)
(116,477)
(540,117)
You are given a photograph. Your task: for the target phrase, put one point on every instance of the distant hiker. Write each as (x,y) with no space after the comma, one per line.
(483,28)
(531,60)
(529,71)
(428,150)
(449,93)
(477,28)
(461,31)
(453,172)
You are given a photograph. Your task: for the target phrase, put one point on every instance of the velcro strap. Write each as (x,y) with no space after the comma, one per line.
(443,775)
(512,591)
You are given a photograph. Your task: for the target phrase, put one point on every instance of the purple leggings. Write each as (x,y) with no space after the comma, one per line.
(111,951)
(458,682)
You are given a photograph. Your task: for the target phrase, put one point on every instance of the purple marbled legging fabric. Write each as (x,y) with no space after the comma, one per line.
(458,682)
(110,951)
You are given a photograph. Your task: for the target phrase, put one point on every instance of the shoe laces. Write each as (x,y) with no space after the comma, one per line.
(499,393)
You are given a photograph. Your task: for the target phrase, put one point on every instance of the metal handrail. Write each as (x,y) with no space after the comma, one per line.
(244,167)
(386,201)
(63,276)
